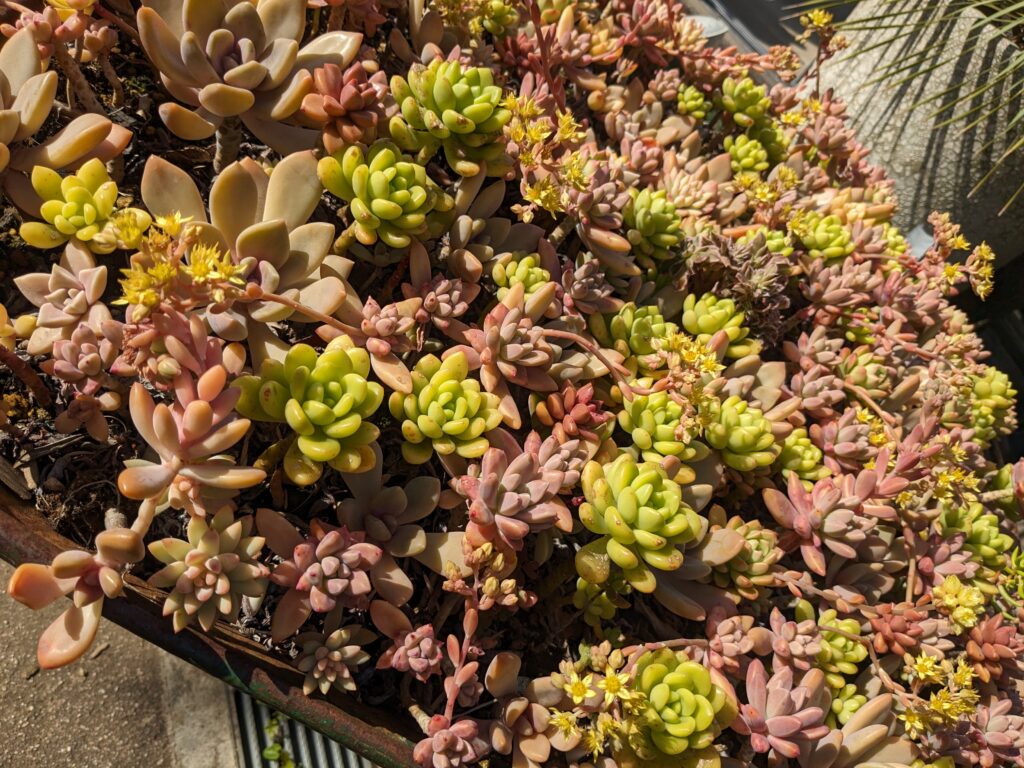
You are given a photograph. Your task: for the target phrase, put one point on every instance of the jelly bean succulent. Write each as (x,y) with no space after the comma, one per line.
(690,458)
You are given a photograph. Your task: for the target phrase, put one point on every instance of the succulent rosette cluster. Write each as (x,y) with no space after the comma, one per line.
(688,457)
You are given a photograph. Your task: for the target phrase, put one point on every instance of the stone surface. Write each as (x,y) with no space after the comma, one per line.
(935,167)
(131,705)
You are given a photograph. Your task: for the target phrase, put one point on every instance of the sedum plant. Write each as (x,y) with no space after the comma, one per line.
(326,401)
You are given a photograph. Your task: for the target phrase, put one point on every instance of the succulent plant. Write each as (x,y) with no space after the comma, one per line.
(69,295)
(744,101)
(741,433)
(412,650)
(587,289)
(27,90)
(992,401)
(961,602)
(327,568)
(444,105)
(747,573)
(983,538)
(350,105)
(514,491)
(328,658)
(238,61)
(446,412)
(994,648)
(390,515)
(706,316)
(76,207)
(685,709)
(826,238)
(518,267)
(389,195)
(651,224)
(212,571)
(638,512)
(325,399)
(747,155)
(801,457)
(780,714)
(840,652)
(660,426)
(450,745)
(693,102)
(634,332)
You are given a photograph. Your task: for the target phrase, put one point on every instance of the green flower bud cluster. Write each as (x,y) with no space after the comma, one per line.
(691,101)
(801,456)
(706,316)
(685,710)
(749,572)
(500,18)
(845,703)
(634,332)
(519,267)
(79,206)
(746,102)
(747,155)
(325,399)
(741,433)
(446,412)
(444,105)
(638,512)
(825,237)
(390,197)
(652,223)
(984,539)
(659,426)
(992,404)
(839,654)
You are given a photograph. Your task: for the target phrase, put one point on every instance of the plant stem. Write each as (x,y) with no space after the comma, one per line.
(113,79)
(29,377)
(77,84)
(229,137)
(565,226)
(255,293)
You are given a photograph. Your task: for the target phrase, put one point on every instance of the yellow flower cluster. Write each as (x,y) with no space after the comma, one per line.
(961,602)
(955,699)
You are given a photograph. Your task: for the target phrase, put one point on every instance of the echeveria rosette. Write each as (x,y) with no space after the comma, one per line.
(634,332)
(325,399)
(742,434)
(446,412)
(840,653)
(825,237)
(746,102)
(684,710)
(639,513)
(444,104)
(983,537)
(390,196)
(746,155)
(801,457)
(705,316)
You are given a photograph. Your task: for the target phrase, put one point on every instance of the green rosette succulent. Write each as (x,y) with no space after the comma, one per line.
(745,101)
(634,332)
(325,399)
(825,237)
(684,710)
(519,267)
(600,602)
(749,572)
(799,455)
(390,197)
(691,101)
(746,155)
(706,316)
(659,426)
(639,513)
(992,404)
(500,18)
(455,108)
(773,138)
(652,223)
(446,411)
(839,654)
(79,206)
(983,538)
(742,434)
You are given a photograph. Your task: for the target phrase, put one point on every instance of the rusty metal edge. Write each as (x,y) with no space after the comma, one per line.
(375,734)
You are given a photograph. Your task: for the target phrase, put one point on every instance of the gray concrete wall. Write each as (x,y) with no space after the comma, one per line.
(935,167)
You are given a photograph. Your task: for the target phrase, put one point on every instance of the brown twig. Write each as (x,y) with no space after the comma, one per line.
(29,377)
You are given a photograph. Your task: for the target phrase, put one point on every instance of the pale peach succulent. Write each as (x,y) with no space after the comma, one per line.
(265,218)
(26,92)
(236,59)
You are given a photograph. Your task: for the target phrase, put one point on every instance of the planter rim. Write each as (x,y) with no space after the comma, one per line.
(376,734)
